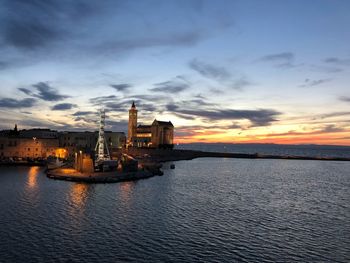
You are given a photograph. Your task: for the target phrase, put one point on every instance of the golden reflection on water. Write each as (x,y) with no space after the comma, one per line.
(32,181)
(126,189)
(78,193)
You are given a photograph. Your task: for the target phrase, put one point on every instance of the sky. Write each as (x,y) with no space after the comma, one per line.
(263,71)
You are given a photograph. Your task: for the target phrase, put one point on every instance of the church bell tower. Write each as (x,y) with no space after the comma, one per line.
(132,126)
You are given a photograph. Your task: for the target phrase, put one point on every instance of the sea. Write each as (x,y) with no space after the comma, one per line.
(204,210)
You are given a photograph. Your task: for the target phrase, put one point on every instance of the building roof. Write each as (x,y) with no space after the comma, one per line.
(133,105)
(162,123)
(144,126)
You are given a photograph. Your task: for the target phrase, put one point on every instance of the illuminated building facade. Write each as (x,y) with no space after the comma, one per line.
(34,143)
(42,143)
(160,134)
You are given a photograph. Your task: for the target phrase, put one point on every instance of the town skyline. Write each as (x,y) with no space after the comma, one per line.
(233,71)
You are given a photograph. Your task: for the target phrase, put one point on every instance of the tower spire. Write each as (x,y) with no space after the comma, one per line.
(132,125)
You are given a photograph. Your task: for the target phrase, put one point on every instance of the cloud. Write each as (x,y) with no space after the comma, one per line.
(86,31)
(281,60)
(221,75)
(4,65)
(26,91)
(337,61)
(32,24)
(260,117)
(47,93)
(29,24)
(331,128)
(177,85)
(124,106)
(344,98)
(312,83)
(279,57)
(209,71)
(121,87)
(13,103)
(84,113)
(117,125)
(241,83)
(153,98)
(104,99)
(64,106)
(189,38)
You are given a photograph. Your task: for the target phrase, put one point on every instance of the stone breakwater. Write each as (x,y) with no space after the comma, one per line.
(164,155)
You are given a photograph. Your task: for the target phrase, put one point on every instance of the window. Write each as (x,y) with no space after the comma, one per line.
(36,149)
(28,149)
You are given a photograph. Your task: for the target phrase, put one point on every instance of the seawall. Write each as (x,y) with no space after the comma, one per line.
(164,155)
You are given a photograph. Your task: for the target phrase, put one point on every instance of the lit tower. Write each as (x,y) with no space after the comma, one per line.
(101,149)
(132,126)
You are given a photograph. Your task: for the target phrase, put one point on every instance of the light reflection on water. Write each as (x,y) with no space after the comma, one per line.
(32,177)
(125,192)
(77,195)
(205,210)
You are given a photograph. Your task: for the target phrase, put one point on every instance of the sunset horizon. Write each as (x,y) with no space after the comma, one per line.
(230,72)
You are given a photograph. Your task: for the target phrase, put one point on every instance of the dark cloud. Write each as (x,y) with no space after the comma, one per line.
(260,117)
(4,65)
(331,128)
(29,24)
(312,83)
(117,125)
(344,98)
(33,24)
(121,87)
(46,92)
(153,98)
(84,113)
(104,99)
(210,71)
(124,106)
(35,30)
(64,106)
(14,103)
(26,91)
(175,85)
(86,120)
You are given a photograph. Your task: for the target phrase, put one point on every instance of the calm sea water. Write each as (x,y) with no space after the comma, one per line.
(206,210)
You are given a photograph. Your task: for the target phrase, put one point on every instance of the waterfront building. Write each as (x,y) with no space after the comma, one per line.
(34,143)
(160,134)
(43,143)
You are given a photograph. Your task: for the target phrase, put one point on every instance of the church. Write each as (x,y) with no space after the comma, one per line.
(160,134)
